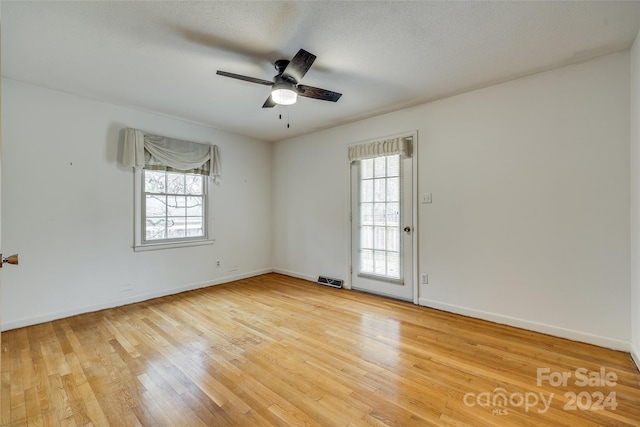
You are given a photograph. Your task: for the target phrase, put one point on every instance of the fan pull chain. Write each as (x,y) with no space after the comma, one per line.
(280,116)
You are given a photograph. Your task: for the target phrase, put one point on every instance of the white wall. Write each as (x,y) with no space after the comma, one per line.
(529,223)
(68,208)
(635,201)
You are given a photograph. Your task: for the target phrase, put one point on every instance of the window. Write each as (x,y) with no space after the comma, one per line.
(174,206)
(171,204)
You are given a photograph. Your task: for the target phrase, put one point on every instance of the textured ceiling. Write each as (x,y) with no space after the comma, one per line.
(383,56)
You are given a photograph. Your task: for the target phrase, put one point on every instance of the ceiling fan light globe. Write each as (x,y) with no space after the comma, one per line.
(284,96)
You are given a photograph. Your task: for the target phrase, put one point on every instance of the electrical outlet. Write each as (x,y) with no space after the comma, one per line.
(217,263)
(425,279)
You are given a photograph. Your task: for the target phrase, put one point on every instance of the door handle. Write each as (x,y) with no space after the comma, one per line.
(407,229)
(11,259)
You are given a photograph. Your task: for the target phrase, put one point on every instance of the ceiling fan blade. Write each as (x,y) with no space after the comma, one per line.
(299,65)
(317,93)
(245,78)
(269,103)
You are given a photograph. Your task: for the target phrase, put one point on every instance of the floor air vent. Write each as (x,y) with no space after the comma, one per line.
(328,281)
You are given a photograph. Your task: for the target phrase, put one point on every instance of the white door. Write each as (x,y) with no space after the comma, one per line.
(382,226)
(0,202)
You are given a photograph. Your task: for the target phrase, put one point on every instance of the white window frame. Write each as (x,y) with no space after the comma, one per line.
(139,242)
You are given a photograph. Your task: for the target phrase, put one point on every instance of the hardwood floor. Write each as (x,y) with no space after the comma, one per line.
(273,350)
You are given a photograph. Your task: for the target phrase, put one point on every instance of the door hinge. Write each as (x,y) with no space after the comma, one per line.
(13,259)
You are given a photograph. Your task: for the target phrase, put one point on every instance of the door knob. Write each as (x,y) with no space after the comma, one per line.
(407,229)
(12,259)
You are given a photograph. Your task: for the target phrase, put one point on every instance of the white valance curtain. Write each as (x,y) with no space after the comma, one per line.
(385,147)
(146,151)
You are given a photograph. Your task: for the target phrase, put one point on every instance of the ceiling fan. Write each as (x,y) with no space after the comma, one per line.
(286,84)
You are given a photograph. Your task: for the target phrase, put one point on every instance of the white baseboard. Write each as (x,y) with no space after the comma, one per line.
(635,355)
(529,325)
(296,274)
(20,323)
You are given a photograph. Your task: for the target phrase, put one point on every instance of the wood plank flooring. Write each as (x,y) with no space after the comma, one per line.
(277,351)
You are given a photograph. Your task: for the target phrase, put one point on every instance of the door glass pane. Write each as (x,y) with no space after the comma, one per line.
(393,239)
(366,260)
(366,213)
(366,193)
(379,213)
(393,264)
(379,189)
(379,167)
(380,235)
(393,214)
(393,166)
(379,264)
(393,189)
(366,237)
(366,168)
(379,238)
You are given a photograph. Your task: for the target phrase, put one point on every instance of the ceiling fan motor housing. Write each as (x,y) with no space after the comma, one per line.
(280,65)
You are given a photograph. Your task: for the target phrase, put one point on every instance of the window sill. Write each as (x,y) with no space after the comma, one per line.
(172,245)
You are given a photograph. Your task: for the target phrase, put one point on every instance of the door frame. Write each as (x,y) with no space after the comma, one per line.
(413,135)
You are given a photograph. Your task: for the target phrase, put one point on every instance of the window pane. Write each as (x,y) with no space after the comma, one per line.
(154,182)
(156,206)
(366,168)
(393,165)
(194,184)
(175,183)
(195,227)
(393,189)
(155,228)
(176,205)
(194,206)
(176,227)
(379,167)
